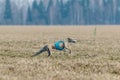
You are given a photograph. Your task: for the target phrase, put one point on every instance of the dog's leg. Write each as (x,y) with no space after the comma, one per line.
(45,48)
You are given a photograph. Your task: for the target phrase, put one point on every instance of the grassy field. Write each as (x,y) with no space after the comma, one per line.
(93,57)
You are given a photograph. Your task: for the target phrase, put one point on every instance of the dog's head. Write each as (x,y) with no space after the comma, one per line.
(71,40)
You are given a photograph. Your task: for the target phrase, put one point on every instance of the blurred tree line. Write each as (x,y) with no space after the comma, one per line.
(58,12)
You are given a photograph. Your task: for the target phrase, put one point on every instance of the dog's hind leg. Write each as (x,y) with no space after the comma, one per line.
(45,48)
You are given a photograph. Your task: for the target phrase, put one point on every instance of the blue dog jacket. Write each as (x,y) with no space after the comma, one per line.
(57,45)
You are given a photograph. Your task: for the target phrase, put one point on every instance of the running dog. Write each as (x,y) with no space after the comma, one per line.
(58,45)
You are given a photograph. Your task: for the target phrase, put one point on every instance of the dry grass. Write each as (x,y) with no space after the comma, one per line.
(93,57)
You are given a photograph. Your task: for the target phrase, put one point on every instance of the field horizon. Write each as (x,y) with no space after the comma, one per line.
(95,56)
